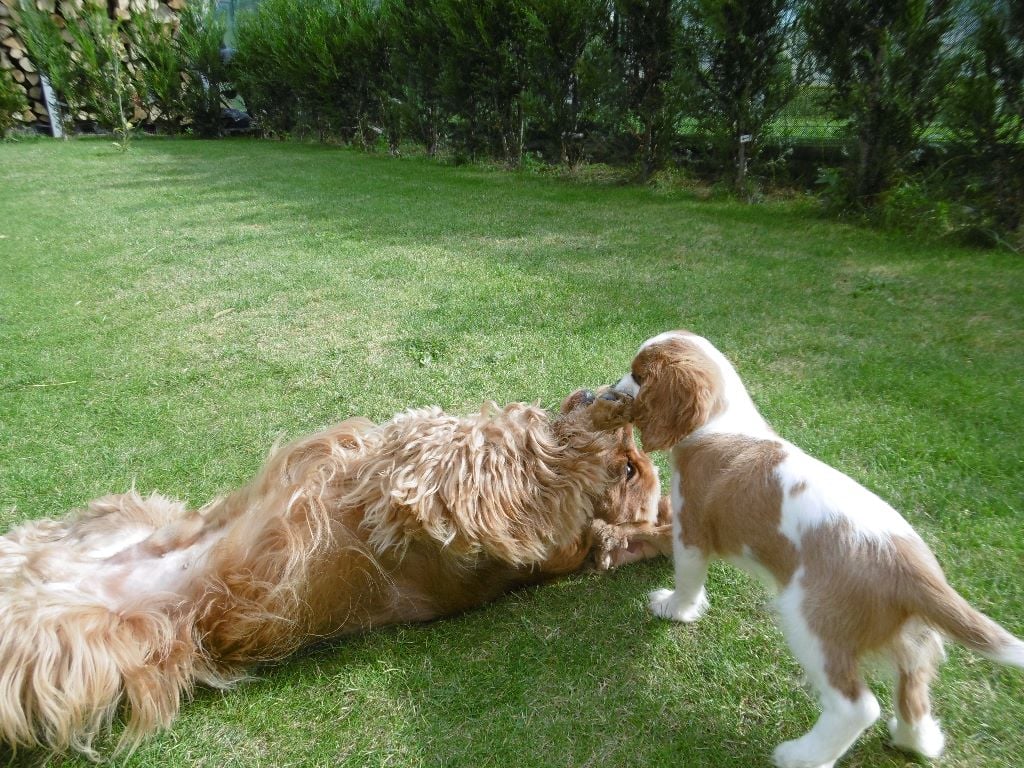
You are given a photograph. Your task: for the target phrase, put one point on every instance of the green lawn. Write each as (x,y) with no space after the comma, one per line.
(167,314)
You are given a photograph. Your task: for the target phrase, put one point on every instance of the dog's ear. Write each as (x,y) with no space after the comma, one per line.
(675,399)
(611,410)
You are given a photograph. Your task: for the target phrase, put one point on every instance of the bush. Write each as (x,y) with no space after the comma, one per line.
(200,58)
(571,89)
(646,38)
(316,66)
(739,53)
(259,67)
(416,36)
(485,74)
(91,71)
(886,71)
(163,86)
(52,56)
(984,164)
(12,102)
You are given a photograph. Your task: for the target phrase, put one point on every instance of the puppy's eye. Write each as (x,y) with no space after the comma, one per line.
(636,378)
(630,470)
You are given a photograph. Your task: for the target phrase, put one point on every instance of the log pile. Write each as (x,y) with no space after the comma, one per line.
(14,54)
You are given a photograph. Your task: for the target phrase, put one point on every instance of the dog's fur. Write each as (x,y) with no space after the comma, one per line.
(134,600)
(852,576)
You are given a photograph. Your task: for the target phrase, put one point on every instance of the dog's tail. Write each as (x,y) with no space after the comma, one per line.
(80,635)
(69,662)
(949,612)
(133,601)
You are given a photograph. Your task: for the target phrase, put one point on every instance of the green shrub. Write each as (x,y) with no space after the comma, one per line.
(646,39)
(12,102)
(416,35)
(206,76)
(52,56)
(485,72)
(744,75)
(260,71)
(984,164)
(886,70)
(163,86)
(572,89)
(317,66)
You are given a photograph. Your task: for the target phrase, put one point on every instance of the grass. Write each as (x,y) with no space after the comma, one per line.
(167,314)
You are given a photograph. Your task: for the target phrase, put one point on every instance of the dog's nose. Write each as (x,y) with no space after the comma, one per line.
(612,394)
(586,397)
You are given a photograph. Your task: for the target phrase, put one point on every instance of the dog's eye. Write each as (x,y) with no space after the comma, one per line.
(636,378)
(630,470)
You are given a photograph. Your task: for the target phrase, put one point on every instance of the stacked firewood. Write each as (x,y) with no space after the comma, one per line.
(14,53)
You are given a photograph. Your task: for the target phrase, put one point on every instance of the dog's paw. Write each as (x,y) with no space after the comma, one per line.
(794,754)
(925,738)
(666,604)
(607,540)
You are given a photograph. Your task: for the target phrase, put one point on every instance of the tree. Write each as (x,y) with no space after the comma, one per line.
(886,70)
(484,74)
(985,112)
(740,53)
(566,75)
(645,35)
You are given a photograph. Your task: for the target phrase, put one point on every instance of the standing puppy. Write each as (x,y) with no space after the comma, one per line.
(852,576)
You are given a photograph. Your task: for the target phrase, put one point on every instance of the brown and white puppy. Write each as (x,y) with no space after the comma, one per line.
(852,576)
(131,602)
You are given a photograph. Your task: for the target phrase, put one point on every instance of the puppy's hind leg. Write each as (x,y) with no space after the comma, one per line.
(848,707)
(913,728)
(689,600)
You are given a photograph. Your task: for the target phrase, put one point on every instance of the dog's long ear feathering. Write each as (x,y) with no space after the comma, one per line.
(676,392)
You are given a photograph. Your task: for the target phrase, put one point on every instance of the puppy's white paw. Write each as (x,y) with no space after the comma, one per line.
(666,604)
(794,754)
(925,738)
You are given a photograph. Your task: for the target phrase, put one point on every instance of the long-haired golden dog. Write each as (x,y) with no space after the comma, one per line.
(132,601)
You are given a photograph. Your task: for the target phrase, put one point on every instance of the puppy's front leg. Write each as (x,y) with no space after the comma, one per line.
(689,600)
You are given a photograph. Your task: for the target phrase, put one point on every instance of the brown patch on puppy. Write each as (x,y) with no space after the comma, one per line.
(732,501)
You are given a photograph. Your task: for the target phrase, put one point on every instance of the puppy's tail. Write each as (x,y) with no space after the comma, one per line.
(948,611)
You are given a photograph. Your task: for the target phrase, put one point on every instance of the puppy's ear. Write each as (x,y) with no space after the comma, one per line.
(675,399)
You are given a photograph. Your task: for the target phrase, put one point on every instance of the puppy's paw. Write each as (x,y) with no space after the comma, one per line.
(666,604)
(611,410)
(794,754)
(925,738)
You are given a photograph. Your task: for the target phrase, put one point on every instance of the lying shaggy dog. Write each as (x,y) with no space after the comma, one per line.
(134,600)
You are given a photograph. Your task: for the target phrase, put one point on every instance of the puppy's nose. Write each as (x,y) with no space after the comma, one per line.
(586,397)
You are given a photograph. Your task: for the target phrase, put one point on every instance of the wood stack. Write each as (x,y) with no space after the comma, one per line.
(14,53)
